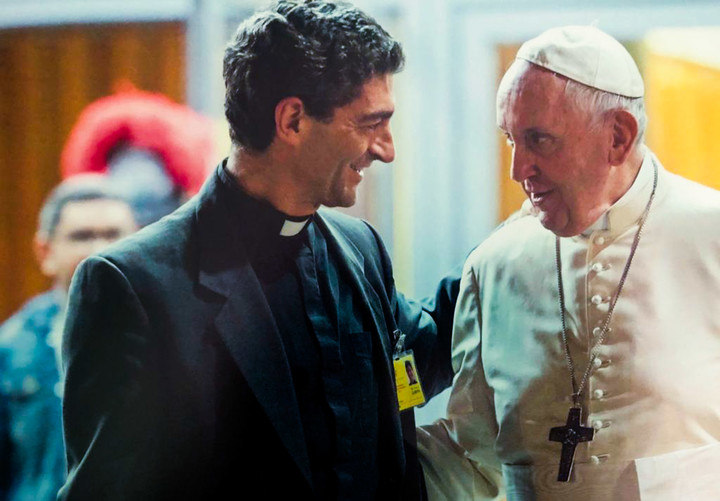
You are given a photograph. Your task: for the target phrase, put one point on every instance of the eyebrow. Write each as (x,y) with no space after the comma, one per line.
(378,115)
(538,130)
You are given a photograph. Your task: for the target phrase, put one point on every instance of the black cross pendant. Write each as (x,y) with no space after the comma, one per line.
(570,435)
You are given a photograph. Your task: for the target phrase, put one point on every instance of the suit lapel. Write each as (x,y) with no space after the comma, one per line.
(245,322)
(351,263)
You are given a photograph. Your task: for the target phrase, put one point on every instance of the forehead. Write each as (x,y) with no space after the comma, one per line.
(532,97)
(375,97)
(97,211)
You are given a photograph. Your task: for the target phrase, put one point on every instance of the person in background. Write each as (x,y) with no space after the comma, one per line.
(80,216)
(244,345)
(587,336)
(130,159)
(155,151)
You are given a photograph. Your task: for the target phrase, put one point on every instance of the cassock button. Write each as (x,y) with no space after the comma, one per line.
(594,460)
(597,330)
(598,394)
(600,363)
(600,240)
(597,267)
(599,424)
(597,299)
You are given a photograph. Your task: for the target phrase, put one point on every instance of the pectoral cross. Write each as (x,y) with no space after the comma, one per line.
(570,435)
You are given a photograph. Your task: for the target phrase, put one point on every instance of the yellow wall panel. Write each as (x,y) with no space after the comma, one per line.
(49,75)
(683,105)
(511,194)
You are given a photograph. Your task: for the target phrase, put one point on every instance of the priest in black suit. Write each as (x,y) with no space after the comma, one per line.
(245,343)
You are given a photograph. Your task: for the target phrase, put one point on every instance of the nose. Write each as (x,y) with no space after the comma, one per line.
(382,146)
(100,242)
(523,165)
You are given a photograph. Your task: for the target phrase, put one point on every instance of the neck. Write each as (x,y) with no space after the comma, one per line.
(268,176)
(627,173)
(620,179)
(60,290)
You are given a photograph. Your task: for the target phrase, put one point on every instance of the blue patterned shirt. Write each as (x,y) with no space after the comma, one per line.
(32,454)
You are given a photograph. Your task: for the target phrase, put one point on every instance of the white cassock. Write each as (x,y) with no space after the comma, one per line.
(653,396)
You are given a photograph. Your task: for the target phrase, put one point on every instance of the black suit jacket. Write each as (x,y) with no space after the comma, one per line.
(177,384)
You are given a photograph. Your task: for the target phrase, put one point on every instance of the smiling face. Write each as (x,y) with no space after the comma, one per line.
(336,152)
(560,156)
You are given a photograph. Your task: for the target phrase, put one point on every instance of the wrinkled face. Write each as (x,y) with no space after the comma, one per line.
(335,153)
(560,157)
(84,227)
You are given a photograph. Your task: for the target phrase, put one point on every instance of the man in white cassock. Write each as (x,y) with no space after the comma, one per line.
(586,343)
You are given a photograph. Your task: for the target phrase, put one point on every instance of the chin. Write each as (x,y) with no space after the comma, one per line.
(559,228)
(345,200)
(348,197)
(566,231)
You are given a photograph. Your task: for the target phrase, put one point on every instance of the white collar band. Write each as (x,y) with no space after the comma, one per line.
(291,228)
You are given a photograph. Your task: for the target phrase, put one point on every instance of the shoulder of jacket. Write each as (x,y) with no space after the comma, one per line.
(517,230)
(340,219)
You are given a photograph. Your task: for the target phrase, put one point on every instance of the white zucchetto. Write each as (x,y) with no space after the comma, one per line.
(587,55)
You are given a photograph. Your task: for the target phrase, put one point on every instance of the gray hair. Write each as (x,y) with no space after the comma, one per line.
(599,103)
(77,188)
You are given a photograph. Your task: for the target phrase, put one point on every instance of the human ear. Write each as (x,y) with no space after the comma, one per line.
(624,133)
(44,255)
(289,113)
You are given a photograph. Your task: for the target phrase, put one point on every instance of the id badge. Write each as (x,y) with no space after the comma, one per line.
(407,380)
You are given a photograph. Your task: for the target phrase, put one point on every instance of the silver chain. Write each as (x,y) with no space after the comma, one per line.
(577,390)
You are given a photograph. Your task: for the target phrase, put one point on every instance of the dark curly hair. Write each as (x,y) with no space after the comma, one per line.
(320,52)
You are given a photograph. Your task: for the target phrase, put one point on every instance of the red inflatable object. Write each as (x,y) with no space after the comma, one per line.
(180,136)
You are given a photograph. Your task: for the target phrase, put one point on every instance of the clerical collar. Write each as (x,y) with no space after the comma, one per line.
(258,218)
(628,209)
(293,226)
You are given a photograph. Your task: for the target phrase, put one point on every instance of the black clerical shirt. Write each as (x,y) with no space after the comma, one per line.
(328,349)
